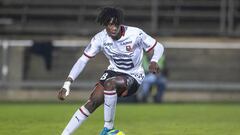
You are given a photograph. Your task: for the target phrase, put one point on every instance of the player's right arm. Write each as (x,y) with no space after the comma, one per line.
(74,73)
(90,51)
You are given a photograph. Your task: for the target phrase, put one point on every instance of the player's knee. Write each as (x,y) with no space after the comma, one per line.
(109,84)
(115,83)
(121,83)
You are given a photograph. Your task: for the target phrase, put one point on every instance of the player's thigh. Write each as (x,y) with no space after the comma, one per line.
(132,86)
(128,88)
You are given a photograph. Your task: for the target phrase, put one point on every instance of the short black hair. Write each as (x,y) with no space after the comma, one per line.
(108,14)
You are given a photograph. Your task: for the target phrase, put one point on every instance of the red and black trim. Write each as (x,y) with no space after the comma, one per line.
(83,112)
(122,30)
(88,56)
(110,92)
(152,46)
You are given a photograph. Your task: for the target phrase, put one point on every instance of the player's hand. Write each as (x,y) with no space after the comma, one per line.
(154,68)
(64,91)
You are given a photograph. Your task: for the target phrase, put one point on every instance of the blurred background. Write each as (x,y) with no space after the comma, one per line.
(40,40)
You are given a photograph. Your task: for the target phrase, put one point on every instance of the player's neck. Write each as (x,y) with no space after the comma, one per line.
(120,33)
(118,36)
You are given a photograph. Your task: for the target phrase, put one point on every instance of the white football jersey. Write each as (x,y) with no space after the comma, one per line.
(125,54)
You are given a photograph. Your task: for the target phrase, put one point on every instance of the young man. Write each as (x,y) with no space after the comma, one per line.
(123,46)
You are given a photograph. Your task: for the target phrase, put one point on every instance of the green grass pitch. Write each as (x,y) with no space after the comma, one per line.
(133,119)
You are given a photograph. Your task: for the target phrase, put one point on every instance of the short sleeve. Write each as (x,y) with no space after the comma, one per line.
(147,41)
(93,47)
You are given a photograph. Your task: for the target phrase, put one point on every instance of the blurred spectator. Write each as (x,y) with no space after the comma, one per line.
(153,82)
(42,48)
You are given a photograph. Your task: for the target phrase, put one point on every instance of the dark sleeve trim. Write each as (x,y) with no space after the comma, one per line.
(152,47)
(88,55)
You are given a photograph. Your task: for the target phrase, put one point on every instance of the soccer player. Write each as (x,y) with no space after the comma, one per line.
(123,46)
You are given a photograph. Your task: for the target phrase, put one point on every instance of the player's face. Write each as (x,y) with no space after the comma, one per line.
(113,29)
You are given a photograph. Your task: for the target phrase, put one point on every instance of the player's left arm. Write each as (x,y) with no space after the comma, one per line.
(157,54)
(151,44)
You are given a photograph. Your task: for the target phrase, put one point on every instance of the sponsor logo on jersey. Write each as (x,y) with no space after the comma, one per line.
(138,75)
(107,44)
(127,42)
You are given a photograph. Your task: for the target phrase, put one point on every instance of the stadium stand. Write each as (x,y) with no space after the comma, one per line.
(1,50)
(205,65)
(162,17)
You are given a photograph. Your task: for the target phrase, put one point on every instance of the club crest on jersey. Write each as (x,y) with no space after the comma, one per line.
(129,48)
